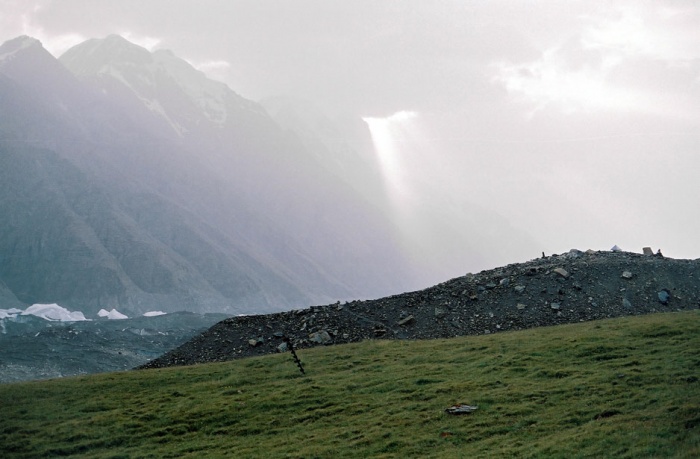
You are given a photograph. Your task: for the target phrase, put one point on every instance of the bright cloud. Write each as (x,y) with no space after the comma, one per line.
(19,19)
(550,81)
(144,41)
(214,69)
(212,65)
(59,44)
(645,29)
(624,59)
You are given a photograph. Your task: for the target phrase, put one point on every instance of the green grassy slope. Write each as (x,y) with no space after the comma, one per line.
(617,388)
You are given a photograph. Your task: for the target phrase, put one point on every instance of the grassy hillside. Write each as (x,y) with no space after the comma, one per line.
(616,388)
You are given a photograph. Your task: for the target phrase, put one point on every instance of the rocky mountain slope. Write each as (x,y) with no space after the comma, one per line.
(572,287)
(130,180)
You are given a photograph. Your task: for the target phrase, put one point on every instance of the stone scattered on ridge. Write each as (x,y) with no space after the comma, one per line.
(407,320)
(468,305)
(320,337)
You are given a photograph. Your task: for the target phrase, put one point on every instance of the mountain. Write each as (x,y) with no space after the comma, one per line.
(568,288)
(131,181)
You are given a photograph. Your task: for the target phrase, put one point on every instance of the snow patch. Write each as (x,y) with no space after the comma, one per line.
(155,106)
(112,315)
(9,313)
(53,312)
(153,313)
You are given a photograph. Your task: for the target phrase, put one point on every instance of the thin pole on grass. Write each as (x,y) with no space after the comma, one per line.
(294,354)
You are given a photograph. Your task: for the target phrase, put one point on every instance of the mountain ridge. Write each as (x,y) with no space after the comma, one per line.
(244,221)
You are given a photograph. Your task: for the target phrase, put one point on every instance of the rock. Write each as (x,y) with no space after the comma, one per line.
(504,282)
(254,342)
(320,337)
(491,285)
(407,320)
(282,347)
(562,272)
(537,295)
(615,248)
(461,408)
(647,251)
(626,275)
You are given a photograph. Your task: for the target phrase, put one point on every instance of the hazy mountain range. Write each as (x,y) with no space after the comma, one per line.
(129,179)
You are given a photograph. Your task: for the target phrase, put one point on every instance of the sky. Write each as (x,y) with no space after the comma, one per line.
(575,124)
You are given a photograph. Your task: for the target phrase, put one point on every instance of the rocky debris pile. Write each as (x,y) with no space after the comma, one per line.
(572,287)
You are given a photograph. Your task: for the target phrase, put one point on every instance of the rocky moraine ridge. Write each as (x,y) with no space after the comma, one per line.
(573,287)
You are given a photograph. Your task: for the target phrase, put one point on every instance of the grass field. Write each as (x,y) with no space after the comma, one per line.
(616,388)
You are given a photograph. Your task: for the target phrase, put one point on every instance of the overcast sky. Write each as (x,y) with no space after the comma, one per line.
(577,121)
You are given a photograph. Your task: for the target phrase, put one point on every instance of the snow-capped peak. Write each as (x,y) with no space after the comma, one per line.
(163,82)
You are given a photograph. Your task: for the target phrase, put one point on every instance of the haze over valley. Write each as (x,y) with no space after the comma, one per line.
(244,158)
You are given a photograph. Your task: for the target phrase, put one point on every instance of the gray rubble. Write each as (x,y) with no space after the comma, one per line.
(573,287)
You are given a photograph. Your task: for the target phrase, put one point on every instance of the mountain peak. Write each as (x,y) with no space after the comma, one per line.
(116,38)
(91,56)
(23,41)
(16,45)
(167,85)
